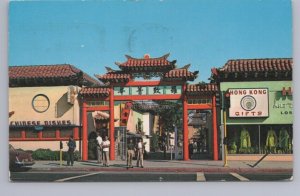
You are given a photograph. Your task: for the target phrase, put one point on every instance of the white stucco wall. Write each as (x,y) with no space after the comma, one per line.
(20,101)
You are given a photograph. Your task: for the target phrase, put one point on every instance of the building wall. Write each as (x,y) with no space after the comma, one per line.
(20,101)
(280,107)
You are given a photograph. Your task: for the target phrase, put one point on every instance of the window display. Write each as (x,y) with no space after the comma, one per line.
(259,139)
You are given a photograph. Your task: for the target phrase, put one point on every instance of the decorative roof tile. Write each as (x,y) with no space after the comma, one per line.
(181,73)
(147,62)
(94,91)
(201,88)
(114,77)
(258,65)
(48,75)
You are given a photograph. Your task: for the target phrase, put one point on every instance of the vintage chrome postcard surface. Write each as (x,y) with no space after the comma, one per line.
(150,91)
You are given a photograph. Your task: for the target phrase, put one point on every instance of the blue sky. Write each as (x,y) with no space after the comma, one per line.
(94,34)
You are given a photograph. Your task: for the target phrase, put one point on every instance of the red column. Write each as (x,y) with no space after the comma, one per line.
(185,126)
(40,135)
(84,133)
(111,125)
(57,134)
(23,135)
(215,130)
(76,133)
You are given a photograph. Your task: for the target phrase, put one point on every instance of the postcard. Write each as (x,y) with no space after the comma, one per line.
(150,91)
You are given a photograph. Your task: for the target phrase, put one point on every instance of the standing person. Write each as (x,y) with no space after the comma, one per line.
(191,149)
(99,148)
(140,154)
(72,145)
(130,153)
(105,148)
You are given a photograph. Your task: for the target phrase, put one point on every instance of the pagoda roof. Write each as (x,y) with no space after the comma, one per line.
(252,69)
(147,63)
(202,89)
(49,75)
(101,91)
(114,77)
(181,73)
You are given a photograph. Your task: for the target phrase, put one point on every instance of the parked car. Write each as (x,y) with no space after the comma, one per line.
(19,158)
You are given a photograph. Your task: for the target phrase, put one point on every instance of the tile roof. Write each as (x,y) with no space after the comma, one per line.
(258,65)
(114,77)
(65,71)
(94,91)
(181,73)
(147,63)
(201,89)
(271,69)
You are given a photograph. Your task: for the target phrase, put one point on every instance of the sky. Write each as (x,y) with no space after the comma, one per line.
(94,34)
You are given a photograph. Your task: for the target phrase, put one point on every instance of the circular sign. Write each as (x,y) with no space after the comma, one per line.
(248,103)
(40,103)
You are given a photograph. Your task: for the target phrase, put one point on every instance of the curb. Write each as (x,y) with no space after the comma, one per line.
(171,170)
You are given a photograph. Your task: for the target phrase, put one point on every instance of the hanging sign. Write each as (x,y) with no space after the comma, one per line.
(249,102)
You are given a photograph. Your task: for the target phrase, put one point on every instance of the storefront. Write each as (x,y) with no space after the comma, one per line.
(43,105)
(258,103)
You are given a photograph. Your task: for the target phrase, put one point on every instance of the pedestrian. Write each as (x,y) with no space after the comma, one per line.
(140,153)
(99,148)
(191,150)
(105,149)
(130,153)
(72,146)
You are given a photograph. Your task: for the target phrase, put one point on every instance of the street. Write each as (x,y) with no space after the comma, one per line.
(105,176)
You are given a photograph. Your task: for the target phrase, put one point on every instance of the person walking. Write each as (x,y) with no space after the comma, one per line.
(99,148)
(105,148)
(130,153)
(72,146)
(140,154)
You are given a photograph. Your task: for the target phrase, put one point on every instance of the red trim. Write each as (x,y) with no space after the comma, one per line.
(40,139)
(84,132)
(111,125)
(199,106)
(97,108)
(40,134)
(57,134)
(150,83)
(76,133)
(185,127)
(146,97)
(23,134)
(215,131)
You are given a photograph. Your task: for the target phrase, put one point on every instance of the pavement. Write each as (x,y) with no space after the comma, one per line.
(169,166)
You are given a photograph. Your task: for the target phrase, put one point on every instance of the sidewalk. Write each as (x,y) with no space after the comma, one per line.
(169,166)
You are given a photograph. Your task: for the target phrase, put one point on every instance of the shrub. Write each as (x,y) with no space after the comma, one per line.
(47,154)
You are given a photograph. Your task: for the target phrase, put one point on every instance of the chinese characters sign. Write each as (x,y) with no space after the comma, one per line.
(249,102)
(148,90)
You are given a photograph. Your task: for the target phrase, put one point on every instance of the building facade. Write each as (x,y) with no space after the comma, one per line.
(43,105)
(258,107)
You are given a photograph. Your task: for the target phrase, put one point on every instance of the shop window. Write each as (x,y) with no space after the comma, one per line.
(49,133)
(259,139)
(15,133)
(65,133)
